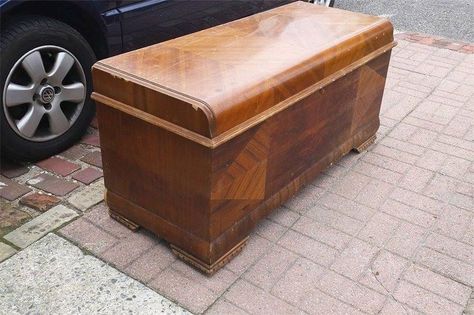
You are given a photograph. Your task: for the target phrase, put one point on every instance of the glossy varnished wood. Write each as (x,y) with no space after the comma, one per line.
(204,135)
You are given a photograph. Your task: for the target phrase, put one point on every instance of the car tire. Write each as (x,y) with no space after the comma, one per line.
(24,44)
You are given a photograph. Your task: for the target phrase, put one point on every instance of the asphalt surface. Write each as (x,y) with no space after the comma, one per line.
(453,19)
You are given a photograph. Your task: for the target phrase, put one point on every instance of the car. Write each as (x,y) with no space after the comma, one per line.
(47,49)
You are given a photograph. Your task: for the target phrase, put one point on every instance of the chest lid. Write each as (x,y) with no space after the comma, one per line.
(217,82)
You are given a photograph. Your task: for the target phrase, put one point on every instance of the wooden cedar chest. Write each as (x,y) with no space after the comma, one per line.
(202,136)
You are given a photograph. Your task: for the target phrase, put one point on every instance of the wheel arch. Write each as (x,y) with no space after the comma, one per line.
(86,22)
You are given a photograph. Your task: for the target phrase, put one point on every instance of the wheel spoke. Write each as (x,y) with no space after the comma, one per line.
(29,123)
(58,122)
(61,67)
(18,94)
(33,64)
(73,92)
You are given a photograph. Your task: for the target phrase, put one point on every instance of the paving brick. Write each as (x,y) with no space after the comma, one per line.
(425,301)
(379,229)
(350,184)
(470,305)
(284,216)
(87,175)
(335,220)
(462,201)
(458,127)
(455,167)
(40,226)
(256,301)
(88,196)
(378,172)
(432,160)
(321,233)
(10,190)
(39,201)
(384,272)
(129,249)
(58,166)
(403,146)
(451,247)
(416,200)
(305,199)
(441,188)
(469,235)
(152,262)
(255,248)
(386,162)
(426,124)
(93,158)
(453,221)
(12,169)
(452,150)
(406,239)
(375,193)
(393,307)
(222,306)
(99,215)
(348,207)
(74,152)
(403,131)
(436,113)
(354,259)
(438,284)
(192,295)
(91,139)
(88,236)
(265,273)
(351,292)
(298,281)
(448,98)
(395,154)
(318,302)
(218,282)
(53,185)
(6,251)
(408,213)
(413,91)
(309,248)
(270,230)
(447,266)
(416,179)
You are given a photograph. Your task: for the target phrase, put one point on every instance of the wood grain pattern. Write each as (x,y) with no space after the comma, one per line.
(204,135)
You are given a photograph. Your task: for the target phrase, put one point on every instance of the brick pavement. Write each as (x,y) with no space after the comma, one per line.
(387,231)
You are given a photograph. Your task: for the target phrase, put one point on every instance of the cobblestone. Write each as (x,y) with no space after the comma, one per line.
(89,196)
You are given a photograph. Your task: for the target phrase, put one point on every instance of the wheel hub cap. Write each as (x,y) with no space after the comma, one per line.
(46,94)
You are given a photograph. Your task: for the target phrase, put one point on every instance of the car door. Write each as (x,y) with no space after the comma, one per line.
(148,22)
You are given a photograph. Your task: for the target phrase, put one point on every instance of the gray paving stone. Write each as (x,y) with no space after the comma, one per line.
(6,251)
(89,196)
(41,225)
(52,276)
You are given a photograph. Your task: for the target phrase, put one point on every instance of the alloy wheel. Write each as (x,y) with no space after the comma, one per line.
(44,93)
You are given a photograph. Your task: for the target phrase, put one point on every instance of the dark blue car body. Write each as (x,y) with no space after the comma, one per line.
(113,27)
